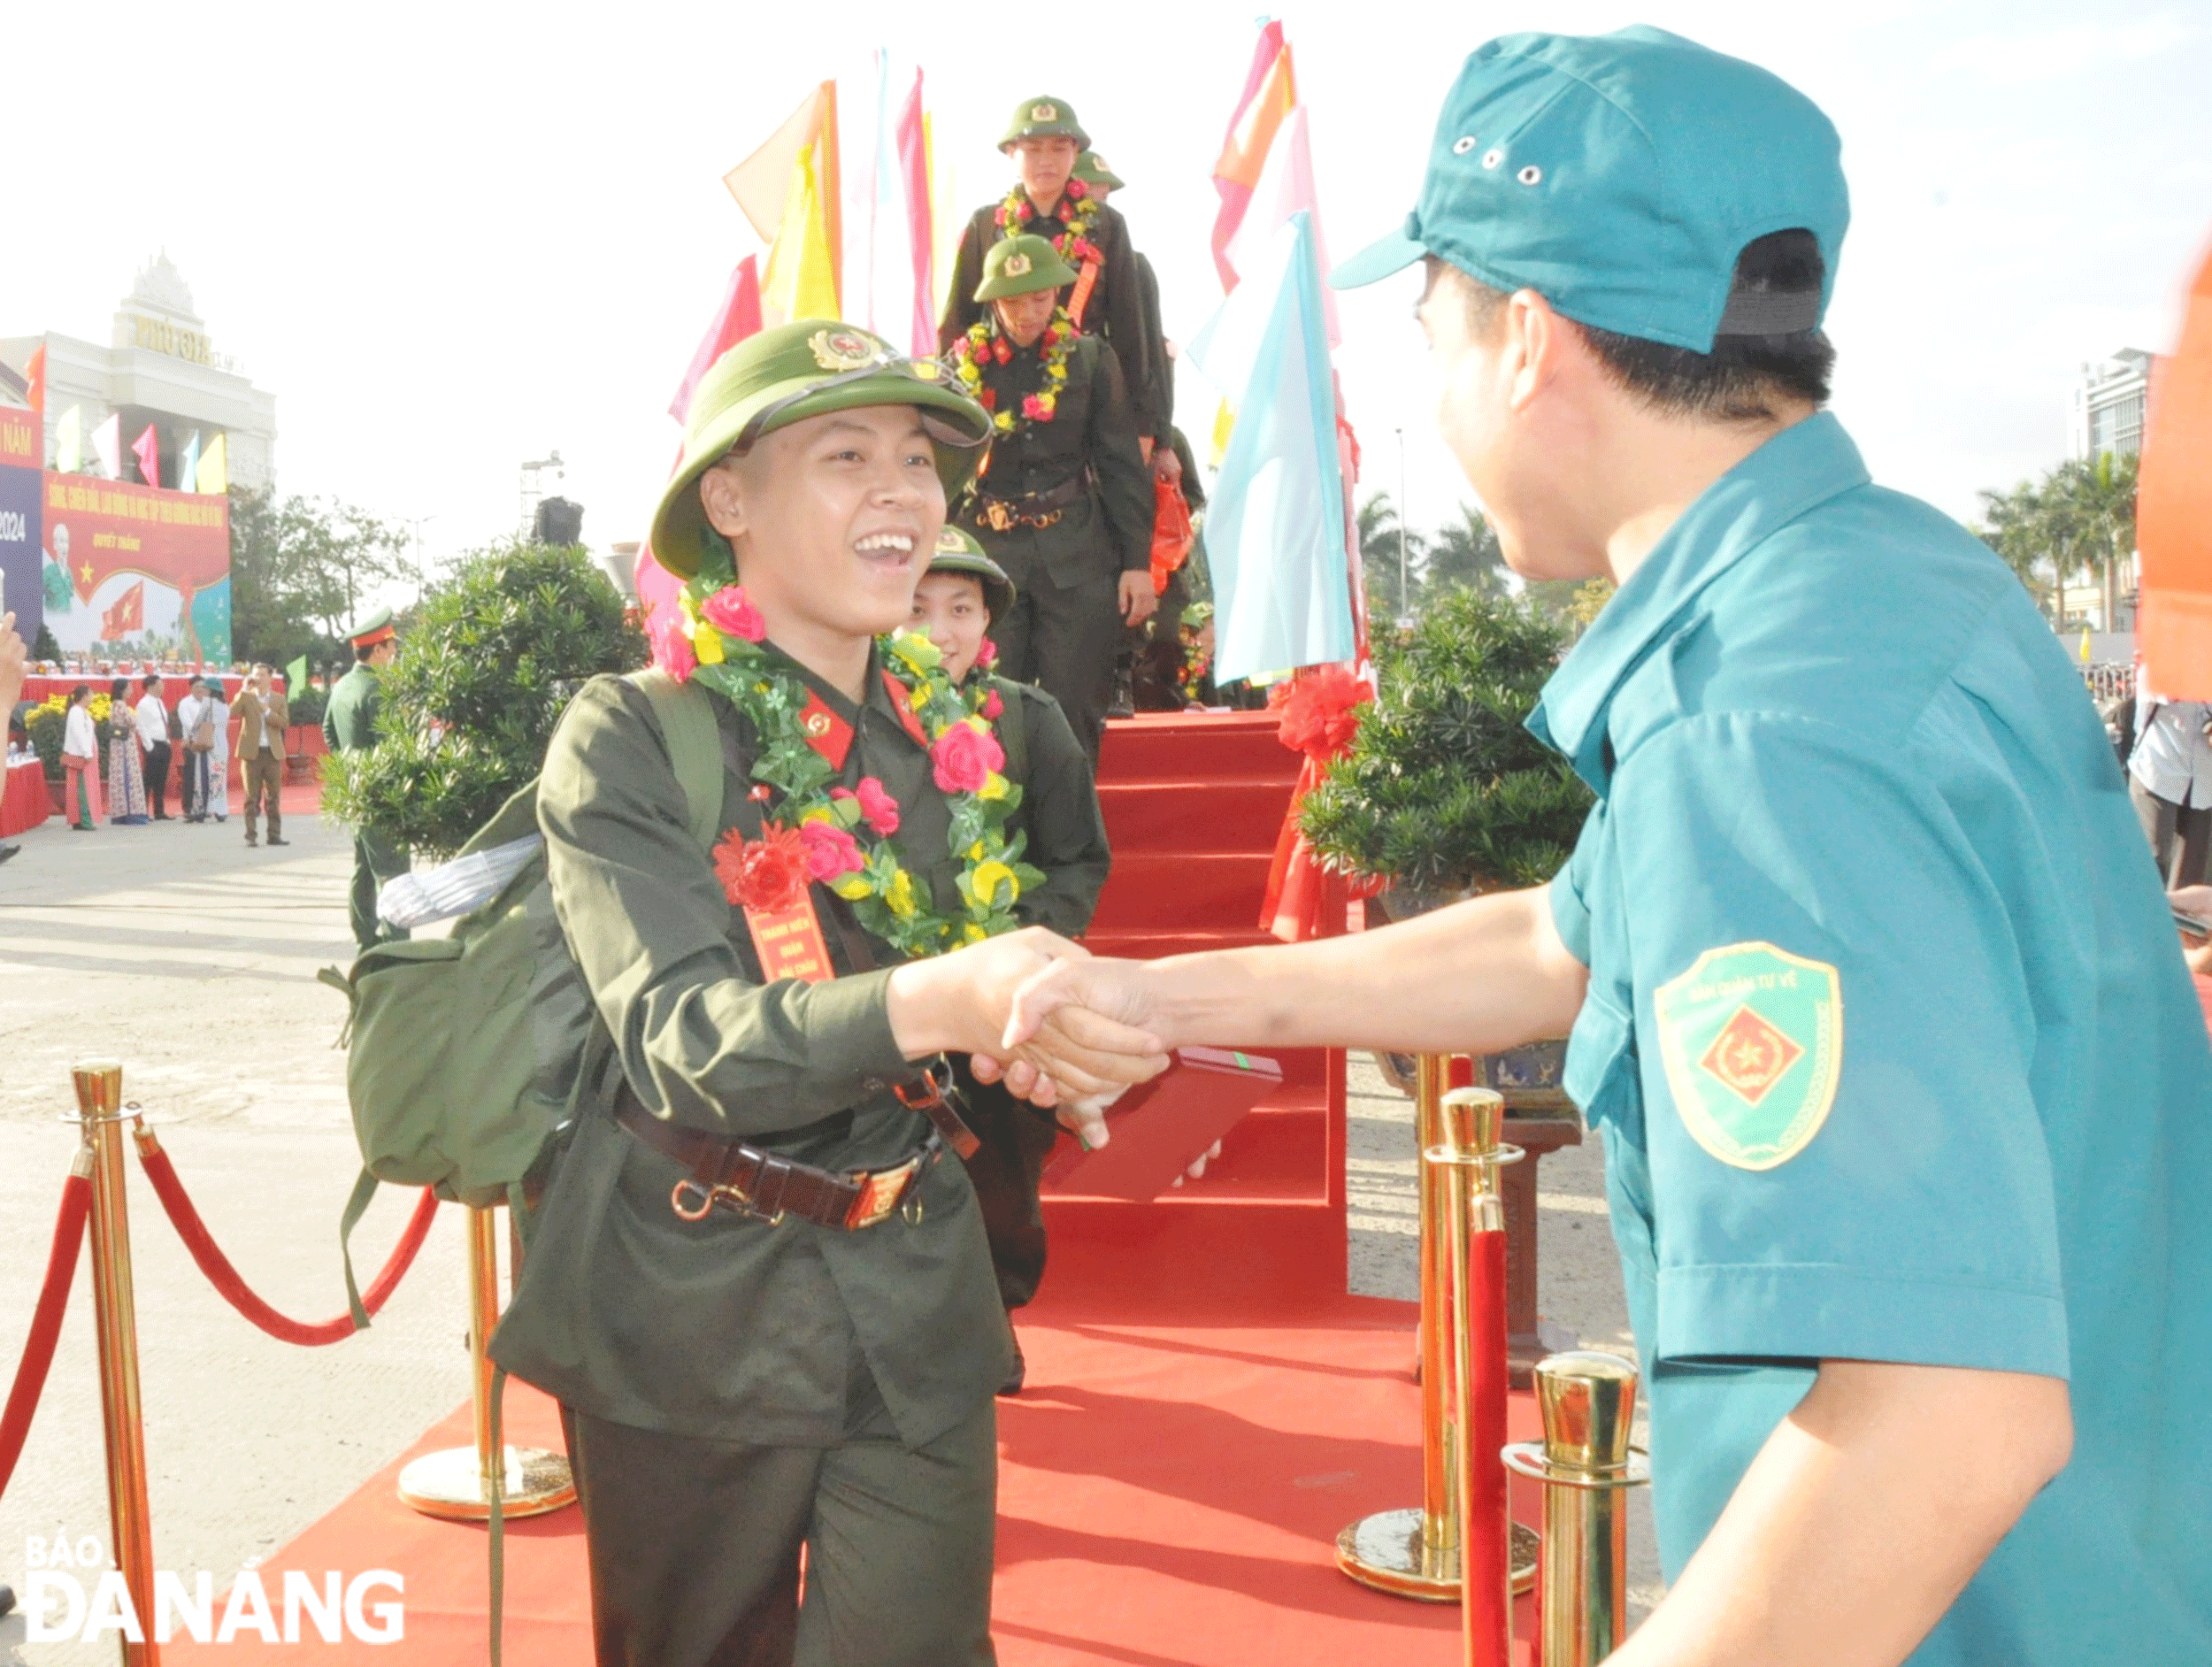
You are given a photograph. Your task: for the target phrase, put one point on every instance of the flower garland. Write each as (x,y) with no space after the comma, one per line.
(820,831)
(1074,244)
(984,344)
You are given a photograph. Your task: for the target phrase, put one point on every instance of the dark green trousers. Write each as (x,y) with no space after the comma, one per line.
(1005,1171)
(1062,637)
(694,1546)
(375,860)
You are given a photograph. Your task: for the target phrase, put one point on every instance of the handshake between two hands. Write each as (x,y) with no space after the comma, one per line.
(1060,1027)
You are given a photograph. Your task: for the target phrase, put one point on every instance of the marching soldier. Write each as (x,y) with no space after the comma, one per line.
(1101,182)
(1101,292)
(349,726)
(1063,500)
(1066,835)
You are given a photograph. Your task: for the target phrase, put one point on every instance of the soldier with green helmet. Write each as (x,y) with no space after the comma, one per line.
(1065,838)
(762,1300)
(349,726)
(1063,500)
(1047,200)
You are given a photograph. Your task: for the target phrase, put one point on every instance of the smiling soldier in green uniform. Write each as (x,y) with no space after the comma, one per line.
(1063,500)
(1906,1097)
(349,726)
(762,1300)
(1100,290)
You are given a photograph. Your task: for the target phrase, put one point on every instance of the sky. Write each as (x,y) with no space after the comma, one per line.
(452,238)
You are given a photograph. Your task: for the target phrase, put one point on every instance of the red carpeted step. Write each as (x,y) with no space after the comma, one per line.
(1212,747)
(1182,815)
(1184,891)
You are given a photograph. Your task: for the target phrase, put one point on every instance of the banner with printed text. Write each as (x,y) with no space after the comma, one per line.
(20,593)
(131,573)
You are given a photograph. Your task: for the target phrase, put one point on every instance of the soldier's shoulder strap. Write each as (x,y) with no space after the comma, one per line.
(1013,727)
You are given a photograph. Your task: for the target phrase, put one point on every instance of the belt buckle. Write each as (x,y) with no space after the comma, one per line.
(996,516)
(926,1094)
(881,1192)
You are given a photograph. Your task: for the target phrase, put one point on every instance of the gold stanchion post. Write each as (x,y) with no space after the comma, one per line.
(1585,1464)
(458,1482)
(99,1084)
(1414,1552)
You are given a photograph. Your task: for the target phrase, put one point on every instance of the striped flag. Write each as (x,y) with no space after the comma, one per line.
(212,474)
(1270,92)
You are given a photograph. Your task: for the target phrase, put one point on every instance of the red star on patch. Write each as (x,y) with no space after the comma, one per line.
(1750,1056)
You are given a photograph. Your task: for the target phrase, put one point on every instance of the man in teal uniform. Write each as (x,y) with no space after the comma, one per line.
(349,726)
(1906,1098)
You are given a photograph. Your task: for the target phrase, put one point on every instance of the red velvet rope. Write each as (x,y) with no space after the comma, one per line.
(224,1278)
(38,1347)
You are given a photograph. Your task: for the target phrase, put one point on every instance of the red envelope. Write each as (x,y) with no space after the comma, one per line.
(1158,1130)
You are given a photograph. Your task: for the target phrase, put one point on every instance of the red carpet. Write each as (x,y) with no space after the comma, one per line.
(1206,1409)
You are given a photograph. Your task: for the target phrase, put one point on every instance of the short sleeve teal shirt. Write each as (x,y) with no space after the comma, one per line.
(1888,1032)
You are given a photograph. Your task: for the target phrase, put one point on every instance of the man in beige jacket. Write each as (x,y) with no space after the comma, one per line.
(262,718)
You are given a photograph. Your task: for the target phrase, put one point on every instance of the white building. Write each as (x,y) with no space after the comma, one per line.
(161,368)
(2107,411)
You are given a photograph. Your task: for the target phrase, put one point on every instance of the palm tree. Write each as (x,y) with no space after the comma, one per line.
(2077,521)
(1389,554)
(1464,555)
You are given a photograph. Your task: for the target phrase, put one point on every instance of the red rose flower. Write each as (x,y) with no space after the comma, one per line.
(987,398)
(963,757)
(1078,190)
(768,874)
(877,808)
(1032,408)
(1320,711)
(672,651)
(991,704)
(830,850)
(1002,351)
(731,610)
(987,655)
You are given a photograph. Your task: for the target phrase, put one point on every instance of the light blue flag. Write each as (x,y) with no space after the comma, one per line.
(188,464)
(1275,517)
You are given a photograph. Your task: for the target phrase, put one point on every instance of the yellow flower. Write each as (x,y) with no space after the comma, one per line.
(987,880)
(851,887)
(899,896)
(994,786)
(981,725)
(975,852)
(1004,421)
(920,653)
(819,813)
(974,933)
(706,642)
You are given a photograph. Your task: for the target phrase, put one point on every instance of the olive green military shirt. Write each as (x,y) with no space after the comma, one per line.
(1063,830)
(350,720)
(730,1328)
(1115,309)
(1109,529)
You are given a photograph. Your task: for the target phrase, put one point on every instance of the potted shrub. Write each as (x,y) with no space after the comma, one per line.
(1444,793)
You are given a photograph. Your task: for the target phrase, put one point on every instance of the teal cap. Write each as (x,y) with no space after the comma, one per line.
(1619,176)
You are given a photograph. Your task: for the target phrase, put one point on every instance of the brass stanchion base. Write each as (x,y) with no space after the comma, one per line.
(1385,1552)
(451,1484)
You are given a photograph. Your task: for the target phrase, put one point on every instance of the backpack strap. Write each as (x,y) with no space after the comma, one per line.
(1013,730)
(695,748)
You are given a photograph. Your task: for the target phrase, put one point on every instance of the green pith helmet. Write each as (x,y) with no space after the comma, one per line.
(1020,266)
(1091,168)
(785,375)
(1045,117)
(957,552)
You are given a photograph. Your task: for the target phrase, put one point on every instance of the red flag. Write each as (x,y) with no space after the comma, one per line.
(738,318)
(914,174)
(127,615)
(147,446)
(2174,510)
(1270,91)
(35,373)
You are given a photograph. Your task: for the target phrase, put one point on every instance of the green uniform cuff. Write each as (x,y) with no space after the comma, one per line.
(848,1025)
(1822,1311)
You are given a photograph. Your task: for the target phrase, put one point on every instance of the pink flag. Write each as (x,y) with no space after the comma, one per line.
(147,446)
(920,220)
(738,317)
(1270,92)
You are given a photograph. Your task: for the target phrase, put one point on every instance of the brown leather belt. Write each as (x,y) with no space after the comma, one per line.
(1038,509)
(769,1186)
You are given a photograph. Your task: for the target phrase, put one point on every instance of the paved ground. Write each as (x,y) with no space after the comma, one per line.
(191,958)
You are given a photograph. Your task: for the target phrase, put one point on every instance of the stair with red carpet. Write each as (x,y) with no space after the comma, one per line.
(1194,803)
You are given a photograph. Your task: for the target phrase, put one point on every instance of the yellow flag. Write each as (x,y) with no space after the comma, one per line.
(800,278)
(213,475)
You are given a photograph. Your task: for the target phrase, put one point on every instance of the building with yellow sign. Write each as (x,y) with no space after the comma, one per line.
(160,368)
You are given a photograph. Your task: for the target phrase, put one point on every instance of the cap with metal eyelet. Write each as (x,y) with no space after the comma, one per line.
(1461,147)
(1530,175)
(1491,158)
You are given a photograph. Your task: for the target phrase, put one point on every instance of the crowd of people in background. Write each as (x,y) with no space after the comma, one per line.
(158,754)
